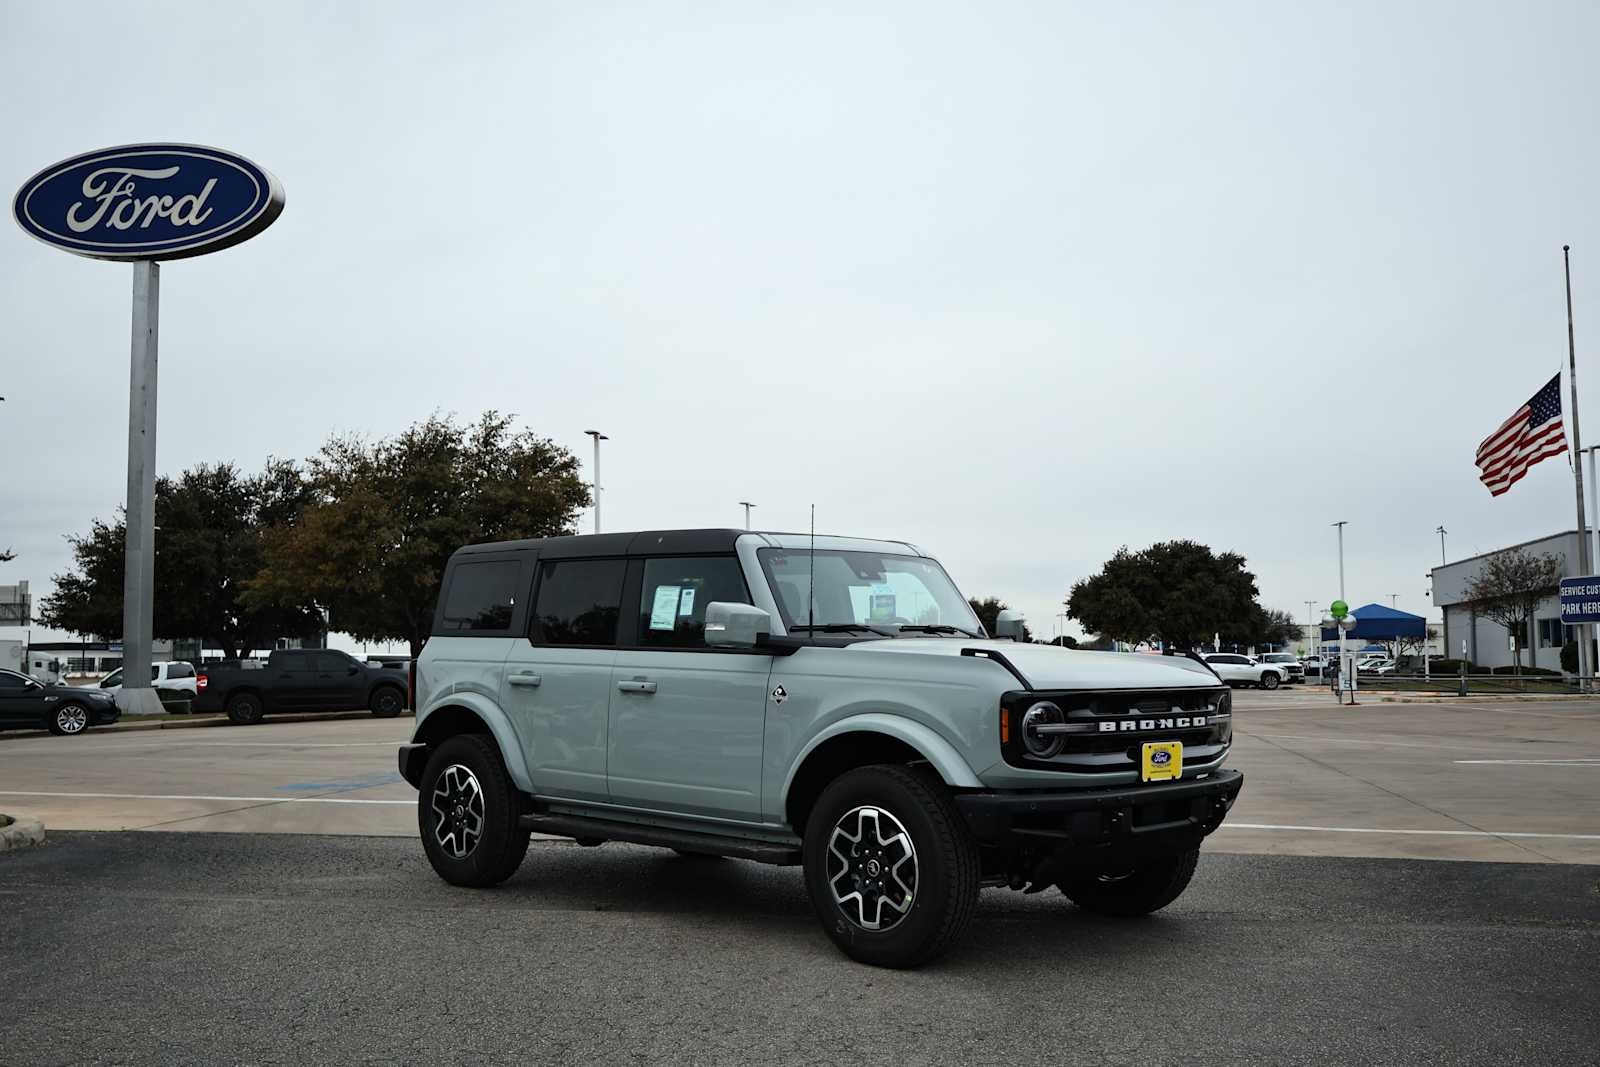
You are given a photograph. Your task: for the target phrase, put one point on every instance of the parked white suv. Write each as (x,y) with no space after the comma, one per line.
(1236,669)
(1295,671)
(168,674)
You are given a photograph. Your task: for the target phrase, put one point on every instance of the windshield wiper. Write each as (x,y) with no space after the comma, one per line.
(936,628)
(839,628)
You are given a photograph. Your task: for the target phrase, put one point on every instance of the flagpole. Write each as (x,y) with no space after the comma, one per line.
(1577,466)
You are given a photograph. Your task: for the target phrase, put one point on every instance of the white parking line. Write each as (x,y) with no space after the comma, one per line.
(1582,761)
(1380,830)
(177,796)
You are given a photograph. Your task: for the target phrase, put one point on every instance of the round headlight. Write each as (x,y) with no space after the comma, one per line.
(1042,746)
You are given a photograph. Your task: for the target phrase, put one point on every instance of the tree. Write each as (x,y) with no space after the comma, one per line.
(1508,589)
(1176,592)
(1275,627)
(211,521)
(988,610)
(1407,646)
(386,515)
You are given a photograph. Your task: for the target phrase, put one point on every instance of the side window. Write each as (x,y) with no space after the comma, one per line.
(332,662)
(481,596)
(182,670)
(673,598)
(12,681)
(578,602)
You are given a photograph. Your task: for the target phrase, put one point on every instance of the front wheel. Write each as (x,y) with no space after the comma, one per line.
(69,719)
(890,866)
(1270,680)
(467,809)
(1133,891)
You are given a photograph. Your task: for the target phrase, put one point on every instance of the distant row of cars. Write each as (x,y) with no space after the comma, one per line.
(1266,671)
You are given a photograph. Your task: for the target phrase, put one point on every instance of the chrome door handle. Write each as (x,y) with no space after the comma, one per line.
(525,679)
(637,686)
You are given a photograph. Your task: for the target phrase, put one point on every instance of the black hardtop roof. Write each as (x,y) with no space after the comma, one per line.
(635,543)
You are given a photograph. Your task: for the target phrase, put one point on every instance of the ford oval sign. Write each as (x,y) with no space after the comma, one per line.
(149,201)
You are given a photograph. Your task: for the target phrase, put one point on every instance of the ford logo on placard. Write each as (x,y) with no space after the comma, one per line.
(149,201)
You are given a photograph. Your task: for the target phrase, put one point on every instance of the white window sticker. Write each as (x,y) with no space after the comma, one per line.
(686,602)
(664,612)
(882,603)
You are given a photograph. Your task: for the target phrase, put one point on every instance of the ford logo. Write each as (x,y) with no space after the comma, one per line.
(1161,759)
(152,201)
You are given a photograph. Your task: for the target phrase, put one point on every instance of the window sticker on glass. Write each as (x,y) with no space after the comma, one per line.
(881,604)
(686,602)
(664,611)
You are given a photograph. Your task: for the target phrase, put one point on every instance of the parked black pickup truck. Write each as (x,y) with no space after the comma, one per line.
(312,679)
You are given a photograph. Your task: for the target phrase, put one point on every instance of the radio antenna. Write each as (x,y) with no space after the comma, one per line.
(811,593)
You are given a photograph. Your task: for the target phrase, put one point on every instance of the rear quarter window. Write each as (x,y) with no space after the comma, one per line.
(480,598)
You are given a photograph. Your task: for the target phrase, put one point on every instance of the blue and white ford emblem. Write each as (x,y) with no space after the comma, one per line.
(1161,758)
(152,201)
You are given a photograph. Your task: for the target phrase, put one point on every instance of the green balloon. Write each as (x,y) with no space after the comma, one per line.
(1338,609)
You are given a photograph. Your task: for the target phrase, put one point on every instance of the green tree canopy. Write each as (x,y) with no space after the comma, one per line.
(209,543)
(1176,592)
(386,515)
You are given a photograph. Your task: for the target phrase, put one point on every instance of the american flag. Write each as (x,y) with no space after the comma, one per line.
(1535,432)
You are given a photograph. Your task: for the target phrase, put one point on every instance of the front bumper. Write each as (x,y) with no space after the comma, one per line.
(1160,817)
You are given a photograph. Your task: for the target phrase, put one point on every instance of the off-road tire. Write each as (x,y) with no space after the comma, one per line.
(62,712)
(245,709)
(1270,680)
(946,890)
(1148,887)
(501,844)
(387,702)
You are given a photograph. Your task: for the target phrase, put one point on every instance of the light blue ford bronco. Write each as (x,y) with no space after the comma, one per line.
(830,702)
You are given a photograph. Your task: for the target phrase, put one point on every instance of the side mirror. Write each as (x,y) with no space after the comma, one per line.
(731,625)
(1008,625)
(351,670)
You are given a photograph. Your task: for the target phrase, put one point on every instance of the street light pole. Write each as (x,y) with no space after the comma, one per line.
(747,507)
(598,437)
(1443,559)
(1344,665)
(1393,600)
(1341,525)
(1314,633)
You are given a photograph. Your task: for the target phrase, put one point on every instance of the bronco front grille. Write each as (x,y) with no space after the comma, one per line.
(1101,731)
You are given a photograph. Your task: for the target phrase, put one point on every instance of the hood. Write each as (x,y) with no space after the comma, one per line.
(1053,667)
(90,691)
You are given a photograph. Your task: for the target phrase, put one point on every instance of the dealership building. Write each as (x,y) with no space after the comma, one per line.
(1487,642)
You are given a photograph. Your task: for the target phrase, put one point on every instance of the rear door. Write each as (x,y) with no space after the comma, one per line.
(291,679)
(557,684)
(686,720)
(20,703)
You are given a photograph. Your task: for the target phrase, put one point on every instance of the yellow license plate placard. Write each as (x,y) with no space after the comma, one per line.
(1161,760)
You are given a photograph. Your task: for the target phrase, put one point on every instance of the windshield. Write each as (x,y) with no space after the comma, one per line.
(865,589)
(1280,657)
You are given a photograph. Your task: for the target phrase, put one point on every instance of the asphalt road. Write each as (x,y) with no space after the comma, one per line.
(1507,781)
(134,948)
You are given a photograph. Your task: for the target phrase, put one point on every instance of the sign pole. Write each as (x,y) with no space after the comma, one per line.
(136,696)
(1577,467)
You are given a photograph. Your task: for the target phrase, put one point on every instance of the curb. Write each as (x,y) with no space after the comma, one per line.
(1478,698)
(20,831)
(202,723)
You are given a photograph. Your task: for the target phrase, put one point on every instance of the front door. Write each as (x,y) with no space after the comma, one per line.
(686,720)
(557,683)
(340,683)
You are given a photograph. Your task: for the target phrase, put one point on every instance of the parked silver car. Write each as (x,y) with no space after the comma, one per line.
(833,703)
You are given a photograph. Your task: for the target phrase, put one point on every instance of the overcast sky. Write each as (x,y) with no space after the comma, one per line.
(1021,282)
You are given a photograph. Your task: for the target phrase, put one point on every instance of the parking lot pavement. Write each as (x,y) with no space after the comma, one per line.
(272,949)
(1518,782)
(1503,780)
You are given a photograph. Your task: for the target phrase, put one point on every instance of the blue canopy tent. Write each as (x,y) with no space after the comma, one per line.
(1374,622)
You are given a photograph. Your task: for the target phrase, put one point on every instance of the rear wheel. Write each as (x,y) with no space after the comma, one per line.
(1129,892)
(1270,680)
(69,719)
(386,702)
(467,810)
(244,709)
(890,866)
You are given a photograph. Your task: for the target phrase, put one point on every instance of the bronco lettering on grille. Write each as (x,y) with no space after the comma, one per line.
(1178,722)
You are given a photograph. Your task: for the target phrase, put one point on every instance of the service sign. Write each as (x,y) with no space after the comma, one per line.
(150,201)
(1580,600)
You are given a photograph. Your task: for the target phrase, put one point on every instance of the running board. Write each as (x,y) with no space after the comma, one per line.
(743,848)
